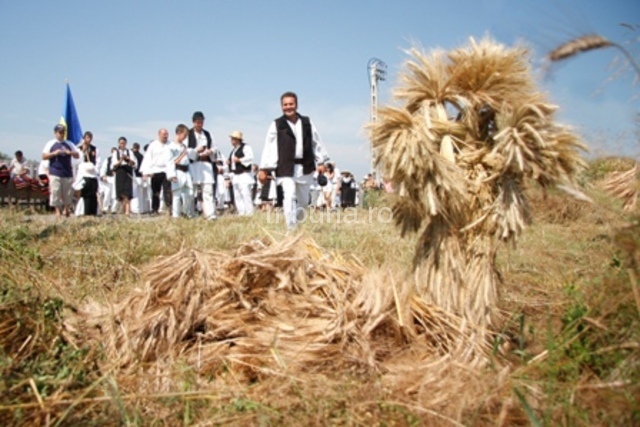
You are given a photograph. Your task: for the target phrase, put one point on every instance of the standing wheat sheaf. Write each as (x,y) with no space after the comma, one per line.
(470,131)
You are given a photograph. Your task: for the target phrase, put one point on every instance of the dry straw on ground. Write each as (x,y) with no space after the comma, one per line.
(470,131)
(283,308)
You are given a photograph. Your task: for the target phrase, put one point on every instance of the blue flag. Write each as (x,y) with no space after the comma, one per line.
(70,119)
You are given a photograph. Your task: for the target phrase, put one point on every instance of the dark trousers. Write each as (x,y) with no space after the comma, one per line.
(90,204)
(159,182)
(89,194)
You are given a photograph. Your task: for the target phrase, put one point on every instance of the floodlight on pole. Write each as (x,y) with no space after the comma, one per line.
(377,71)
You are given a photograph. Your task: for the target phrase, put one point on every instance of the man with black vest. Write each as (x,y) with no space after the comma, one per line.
(240,163)
(294,151)
(202,153)
(88,150)
(88,154)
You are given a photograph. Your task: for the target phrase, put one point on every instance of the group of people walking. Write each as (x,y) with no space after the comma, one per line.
(176,173)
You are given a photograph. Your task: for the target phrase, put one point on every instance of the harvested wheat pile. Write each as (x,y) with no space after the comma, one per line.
(271,308)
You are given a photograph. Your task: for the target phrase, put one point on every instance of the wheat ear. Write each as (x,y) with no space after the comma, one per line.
(586,43)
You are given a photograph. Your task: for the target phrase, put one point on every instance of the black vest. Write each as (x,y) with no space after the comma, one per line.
(109,169)
(90,154)
(239,167)
(139,158)
(193,141)
(287,147)
(123,166)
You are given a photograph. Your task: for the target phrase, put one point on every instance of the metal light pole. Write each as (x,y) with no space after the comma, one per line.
(377,71)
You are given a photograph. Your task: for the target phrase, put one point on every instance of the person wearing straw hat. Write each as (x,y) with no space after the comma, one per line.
(59,152)
(293,150)
(202,153)
(240,163)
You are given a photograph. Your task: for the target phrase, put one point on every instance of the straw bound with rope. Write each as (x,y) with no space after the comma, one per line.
(469,131)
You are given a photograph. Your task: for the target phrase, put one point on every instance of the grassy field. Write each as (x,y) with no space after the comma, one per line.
(564,349)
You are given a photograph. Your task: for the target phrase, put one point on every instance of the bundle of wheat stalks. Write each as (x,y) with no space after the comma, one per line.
(271,308)
(625,186)
(469,131)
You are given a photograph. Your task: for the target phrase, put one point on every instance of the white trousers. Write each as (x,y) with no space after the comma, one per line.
(182,195)
(109,201)
(141,202)
(296,193)
(208,201)
(242,184)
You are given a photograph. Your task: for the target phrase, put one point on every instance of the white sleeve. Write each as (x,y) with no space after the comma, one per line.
(47,146)
(247,160)
(170,169)
(146,160)
(318,148)
(270,150)
(103,167)
(78,183)
(192,154)
(216,154)
(133,158)
(98,161)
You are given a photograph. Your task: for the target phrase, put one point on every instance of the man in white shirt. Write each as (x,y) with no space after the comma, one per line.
(107,185)
(19,166)
(294,151)
(154,165)
(201,152)
(240,163)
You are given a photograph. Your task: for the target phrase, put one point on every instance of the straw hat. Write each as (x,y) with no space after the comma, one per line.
(236,134)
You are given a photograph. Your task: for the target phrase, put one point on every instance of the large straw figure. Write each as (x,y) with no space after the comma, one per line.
(470,131)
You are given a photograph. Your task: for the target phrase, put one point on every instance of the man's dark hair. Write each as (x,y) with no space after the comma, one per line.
(88,133)
(122,138)
(197,116)
(19,153)
(135,146)
(289,95)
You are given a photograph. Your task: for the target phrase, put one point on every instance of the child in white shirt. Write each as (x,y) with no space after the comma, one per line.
(179,176)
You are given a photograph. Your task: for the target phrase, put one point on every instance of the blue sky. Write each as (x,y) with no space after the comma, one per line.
(135,67)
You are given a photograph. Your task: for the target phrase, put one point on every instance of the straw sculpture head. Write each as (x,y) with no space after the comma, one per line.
(468,131)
